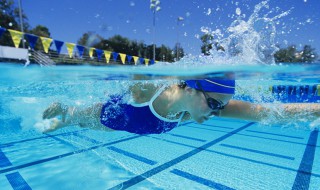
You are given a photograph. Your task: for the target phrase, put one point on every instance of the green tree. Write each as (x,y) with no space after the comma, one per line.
(292,55)
(309,54)
(9,19)
(206,43)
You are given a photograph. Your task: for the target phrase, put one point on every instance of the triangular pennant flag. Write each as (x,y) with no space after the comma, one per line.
(2,30)
(46,43)
(129,57)
(91,52)
(80,50)
(135,59)
(58,44)
(32,39)
(122,57)
(16,37)
(151,61)
(146,61)
(99,53)
(70,47)
(115,56)
(141,60)
(107,54)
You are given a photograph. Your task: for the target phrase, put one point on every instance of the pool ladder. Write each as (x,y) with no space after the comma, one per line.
(41,58)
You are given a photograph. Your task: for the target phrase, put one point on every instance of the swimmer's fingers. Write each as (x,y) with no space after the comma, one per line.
(52,111)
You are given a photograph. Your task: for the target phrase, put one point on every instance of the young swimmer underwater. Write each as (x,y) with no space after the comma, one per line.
(159,109)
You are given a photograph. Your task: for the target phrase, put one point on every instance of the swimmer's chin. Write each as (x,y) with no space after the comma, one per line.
(201,120)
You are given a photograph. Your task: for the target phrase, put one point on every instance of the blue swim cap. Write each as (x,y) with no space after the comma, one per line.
(224,86)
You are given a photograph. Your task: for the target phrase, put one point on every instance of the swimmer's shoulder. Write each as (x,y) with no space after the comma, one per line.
(143,92)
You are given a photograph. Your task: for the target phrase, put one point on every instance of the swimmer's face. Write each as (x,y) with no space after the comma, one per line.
(201,108)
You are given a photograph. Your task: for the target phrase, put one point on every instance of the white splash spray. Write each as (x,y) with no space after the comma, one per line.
(245,41)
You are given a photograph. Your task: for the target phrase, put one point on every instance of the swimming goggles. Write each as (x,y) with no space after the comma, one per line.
(212,103)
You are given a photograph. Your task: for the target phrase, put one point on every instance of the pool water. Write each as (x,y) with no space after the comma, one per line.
(218,154)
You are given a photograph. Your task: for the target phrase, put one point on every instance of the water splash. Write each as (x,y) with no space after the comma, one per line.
(250,41)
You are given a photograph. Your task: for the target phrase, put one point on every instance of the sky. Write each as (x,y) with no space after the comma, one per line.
(67,20)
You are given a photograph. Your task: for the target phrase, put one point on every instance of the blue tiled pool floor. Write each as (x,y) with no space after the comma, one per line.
(218,154)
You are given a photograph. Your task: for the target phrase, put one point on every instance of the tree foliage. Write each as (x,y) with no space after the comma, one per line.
(120,44)
(9,18)
(292,55)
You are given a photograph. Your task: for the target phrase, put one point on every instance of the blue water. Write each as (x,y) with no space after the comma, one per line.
(218,154)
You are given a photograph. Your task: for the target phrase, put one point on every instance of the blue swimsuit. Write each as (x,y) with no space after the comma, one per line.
(139,119)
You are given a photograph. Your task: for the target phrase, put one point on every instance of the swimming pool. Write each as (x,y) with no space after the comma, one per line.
(218,154)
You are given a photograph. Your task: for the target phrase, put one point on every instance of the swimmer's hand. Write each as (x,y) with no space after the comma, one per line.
(56,109)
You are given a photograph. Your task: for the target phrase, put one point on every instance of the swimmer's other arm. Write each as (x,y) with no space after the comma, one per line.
(282,112)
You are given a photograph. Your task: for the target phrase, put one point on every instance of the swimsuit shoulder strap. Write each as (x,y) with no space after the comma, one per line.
(155,96)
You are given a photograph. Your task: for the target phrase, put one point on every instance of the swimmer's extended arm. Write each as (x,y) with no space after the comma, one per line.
(280,112)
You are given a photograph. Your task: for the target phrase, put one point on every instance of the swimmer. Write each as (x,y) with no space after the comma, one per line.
(157,110)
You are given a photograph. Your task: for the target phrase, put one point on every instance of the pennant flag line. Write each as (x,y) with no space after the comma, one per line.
(146,61)
(107,54)
(99,53)
(135,59)
(32,39)
(70,47)
(91,52)
(16,37)
(80,50)
(59,45)
(2,30)
(122,57)
(46,43)
(129,57)
(141,60)
(115,56)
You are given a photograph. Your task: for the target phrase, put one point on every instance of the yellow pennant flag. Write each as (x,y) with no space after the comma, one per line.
(91,52)
(135,59)
(146,61)
(123,57)
(107,54)
(46,43)
(16,37)
(70,47)
(318,89)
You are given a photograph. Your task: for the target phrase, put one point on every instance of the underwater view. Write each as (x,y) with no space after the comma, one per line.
(159,95)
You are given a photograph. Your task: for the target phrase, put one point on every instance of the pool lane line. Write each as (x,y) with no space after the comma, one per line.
(66,154)
(41,137)
(133,156)
(186,137)
(214,126)
(237,157)
(17,182)
(288,136)
(84,137)
(254,136)
(4,161)
(257,151)
(203,181)
(302,180)
(139,178)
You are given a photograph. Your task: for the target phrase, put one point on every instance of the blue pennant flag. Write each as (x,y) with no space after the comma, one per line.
(151,62)
(80,50)
(2,30)
(58,44)
(115,56)
(99,53)
(141,60)
(129,57)
(32,39)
